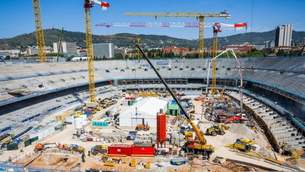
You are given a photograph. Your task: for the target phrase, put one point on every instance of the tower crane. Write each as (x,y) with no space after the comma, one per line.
(126,37)
(89,4)
(216,29)
(201,17)
(39,31)
(59,44)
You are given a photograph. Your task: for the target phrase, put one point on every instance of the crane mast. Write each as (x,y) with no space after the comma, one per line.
(201,17)
(90,55)
(59,44)
(39,31)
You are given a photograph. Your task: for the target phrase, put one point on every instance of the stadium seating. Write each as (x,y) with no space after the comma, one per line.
(37,77)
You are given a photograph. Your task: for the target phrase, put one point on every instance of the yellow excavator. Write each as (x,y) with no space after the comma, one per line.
(199,144)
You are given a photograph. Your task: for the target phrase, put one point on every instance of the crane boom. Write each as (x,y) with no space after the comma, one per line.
(201,17)
(155,24)
(198,132)
(222,14)
(39,31)
(168,24)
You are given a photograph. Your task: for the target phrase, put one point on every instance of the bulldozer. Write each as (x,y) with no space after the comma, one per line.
(144,127)
(215,129)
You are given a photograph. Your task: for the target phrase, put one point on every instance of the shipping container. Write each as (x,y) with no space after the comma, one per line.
(122,149)
(143,149)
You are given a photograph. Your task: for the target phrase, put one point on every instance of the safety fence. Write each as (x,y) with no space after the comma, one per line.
(6,166)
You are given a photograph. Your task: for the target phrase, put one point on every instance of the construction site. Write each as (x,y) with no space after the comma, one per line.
(150,115)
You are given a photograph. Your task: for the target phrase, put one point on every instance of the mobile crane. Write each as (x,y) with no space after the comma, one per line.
(198,145)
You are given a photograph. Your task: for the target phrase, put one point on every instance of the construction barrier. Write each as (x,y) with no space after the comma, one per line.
(12,146)
(30,141)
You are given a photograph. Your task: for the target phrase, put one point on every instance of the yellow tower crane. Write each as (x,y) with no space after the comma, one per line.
(126,37)
(90,56)
(59,44)
(39,31)
(216,29)
(201,17)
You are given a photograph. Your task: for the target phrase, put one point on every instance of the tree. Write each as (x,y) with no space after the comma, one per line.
(118,56)
(7,57)
(281,53)
(126,56)
(157,57)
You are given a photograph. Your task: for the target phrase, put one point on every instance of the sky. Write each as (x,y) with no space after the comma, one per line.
(17,16)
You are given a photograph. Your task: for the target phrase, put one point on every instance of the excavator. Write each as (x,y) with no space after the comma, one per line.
(41,147)
(198,145)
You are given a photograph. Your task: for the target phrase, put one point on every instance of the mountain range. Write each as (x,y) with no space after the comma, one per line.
(150,41)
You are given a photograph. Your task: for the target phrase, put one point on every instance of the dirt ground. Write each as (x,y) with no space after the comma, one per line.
(52,161)
(157,163)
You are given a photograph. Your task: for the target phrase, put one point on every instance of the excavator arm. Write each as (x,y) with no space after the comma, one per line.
(198,132)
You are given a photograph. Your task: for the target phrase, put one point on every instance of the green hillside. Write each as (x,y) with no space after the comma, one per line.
(149,41)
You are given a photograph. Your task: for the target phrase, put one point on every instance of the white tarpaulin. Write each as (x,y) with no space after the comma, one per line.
(142,112)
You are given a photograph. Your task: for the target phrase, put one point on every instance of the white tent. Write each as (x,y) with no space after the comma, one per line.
(142,112)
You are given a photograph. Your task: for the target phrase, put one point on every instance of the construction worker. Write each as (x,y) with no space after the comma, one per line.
(21,150)
(9,159)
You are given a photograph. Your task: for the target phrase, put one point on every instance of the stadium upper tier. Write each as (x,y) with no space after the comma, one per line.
(29,78)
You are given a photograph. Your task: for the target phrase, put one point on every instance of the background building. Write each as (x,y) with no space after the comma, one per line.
(240,49)
(34,50)
(10,53)
(103,49)
(283,34)
(269,44)
(176,50)
(66,47)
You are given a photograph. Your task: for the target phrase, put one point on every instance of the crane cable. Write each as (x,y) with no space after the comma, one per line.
(251,23)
